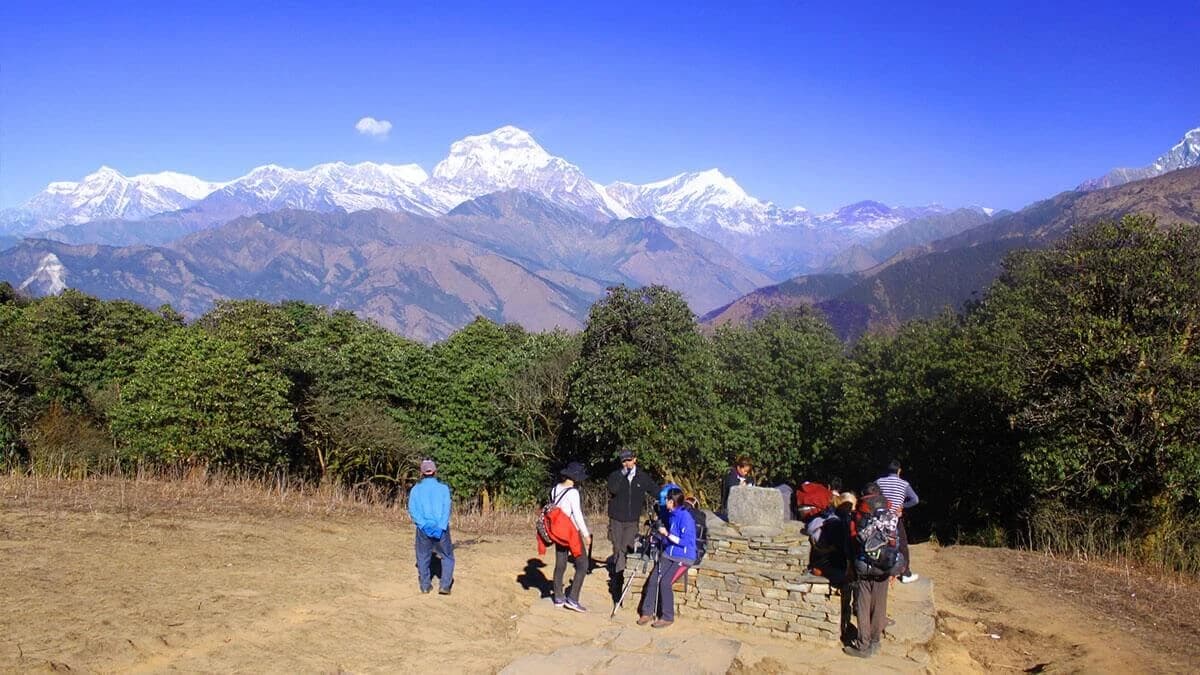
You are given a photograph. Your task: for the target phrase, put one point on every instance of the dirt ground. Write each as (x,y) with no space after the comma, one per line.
(142,577)
(1009,611)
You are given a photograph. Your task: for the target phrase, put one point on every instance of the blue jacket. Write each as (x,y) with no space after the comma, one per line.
(682,526)
(429,506)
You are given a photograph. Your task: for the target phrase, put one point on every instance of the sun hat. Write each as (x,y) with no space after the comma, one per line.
(575,472)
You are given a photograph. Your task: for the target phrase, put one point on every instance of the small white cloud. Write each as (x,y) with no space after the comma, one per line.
(369,126)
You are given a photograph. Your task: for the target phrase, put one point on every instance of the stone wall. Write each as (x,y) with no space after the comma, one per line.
(756,577)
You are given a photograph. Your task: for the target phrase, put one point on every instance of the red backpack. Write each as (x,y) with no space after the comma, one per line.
(554,526)
(812,499)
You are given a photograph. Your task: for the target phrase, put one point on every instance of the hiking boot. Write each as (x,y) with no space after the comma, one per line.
(574,606)
(443,591)
(856,652)
(643,620)
(909,578)
(661,624)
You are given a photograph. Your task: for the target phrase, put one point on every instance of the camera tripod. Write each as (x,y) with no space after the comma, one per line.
(647,558)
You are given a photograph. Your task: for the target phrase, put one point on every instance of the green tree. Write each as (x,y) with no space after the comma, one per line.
(199,398)
(530,406)
(1101,329)
(930,398)
(460,379)
(778,382)
(644,379)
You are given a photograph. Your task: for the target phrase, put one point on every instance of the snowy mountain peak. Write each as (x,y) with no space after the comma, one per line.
(107,193)
(708,201)
(498,154)
(1184,154)
(510,159)
(105,172)
(50,277)
(189,186)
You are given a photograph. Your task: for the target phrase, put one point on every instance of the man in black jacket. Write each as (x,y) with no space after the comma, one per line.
(628,488)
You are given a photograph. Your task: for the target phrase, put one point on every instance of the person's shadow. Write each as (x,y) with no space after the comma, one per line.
(533,577)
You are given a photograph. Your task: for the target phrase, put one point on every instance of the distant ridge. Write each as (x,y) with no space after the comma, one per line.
(922,281)
(1183,155)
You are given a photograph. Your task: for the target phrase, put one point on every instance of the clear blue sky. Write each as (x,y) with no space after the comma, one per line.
(802,103)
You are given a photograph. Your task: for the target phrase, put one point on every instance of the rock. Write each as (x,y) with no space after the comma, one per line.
(755,507)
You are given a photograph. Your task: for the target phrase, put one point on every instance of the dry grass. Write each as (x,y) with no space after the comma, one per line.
(200,493)
(1161,608)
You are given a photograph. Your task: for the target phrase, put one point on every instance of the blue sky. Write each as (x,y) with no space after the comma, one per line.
(803,103)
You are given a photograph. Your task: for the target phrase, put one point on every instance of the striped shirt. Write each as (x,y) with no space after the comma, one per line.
(898,492)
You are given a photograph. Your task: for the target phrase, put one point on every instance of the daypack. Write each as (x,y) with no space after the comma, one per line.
(876,538)
(701,533)
(554,526)
(812,499)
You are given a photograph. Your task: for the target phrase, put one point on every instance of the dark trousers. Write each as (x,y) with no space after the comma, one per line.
(870,610)
(426,549)
(561,555)
(658,594)
(622,535)
(903,546)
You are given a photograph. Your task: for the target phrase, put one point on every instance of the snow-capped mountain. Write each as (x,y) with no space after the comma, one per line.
(328,187)
(50,277)
(509,159)
(707,201)
(868,219)
(109,194)
(1184,154)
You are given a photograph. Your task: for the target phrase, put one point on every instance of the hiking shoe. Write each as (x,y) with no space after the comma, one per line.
(855,651)
(909,578)
(443,591)
(661,624)
(574,606)
(559,602)
(643,620)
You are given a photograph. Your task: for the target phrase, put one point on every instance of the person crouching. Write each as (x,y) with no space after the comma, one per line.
(678,542)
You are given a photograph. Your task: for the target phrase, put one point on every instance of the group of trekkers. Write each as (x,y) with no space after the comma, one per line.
(859,541)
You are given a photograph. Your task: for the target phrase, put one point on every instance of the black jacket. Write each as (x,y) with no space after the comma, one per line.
(628,498)
(731,479)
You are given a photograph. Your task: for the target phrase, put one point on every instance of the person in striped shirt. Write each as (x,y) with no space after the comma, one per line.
(900,496)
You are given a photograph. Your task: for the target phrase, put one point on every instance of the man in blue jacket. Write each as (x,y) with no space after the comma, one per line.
(429,506)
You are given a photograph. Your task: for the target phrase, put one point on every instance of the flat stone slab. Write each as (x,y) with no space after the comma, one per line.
(751,506)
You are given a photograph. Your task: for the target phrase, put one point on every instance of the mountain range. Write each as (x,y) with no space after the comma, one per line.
(106,207)
(1182,155)
(921,281)
(505,230)
(510,256)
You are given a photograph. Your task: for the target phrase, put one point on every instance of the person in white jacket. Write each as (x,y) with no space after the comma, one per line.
(566,495)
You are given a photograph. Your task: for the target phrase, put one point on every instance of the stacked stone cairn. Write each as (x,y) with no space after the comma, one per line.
(755,573)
